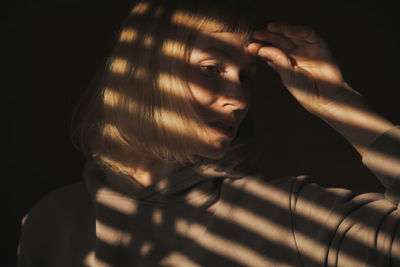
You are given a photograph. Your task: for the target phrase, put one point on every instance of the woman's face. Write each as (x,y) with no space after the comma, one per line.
(220,75)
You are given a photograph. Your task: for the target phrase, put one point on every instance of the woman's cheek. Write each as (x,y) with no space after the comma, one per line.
(204,94)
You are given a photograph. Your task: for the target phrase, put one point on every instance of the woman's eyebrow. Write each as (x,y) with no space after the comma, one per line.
(227,55)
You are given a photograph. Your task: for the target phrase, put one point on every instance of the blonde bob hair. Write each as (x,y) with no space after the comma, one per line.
(141,107)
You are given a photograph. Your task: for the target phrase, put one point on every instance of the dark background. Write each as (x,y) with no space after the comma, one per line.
(53,49)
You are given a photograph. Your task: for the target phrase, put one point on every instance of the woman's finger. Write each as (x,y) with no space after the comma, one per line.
(280,41)
(295,32)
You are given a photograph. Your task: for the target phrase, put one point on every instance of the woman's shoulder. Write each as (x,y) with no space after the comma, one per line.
(64,214)
(71,197)
(62,207)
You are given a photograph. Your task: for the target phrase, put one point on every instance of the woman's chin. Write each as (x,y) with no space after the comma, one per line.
(214,153)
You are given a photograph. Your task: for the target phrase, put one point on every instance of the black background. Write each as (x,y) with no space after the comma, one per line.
(53,49)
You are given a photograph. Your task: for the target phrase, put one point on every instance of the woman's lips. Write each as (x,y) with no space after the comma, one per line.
(223,129)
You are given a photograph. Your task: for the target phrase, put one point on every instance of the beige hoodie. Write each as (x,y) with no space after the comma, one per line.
(206,216)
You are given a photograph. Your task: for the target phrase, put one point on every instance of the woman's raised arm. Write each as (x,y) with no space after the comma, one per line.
(310,73)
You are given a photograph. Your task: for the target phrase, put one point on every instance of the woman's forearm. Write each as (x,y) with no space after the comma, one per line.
(355,120)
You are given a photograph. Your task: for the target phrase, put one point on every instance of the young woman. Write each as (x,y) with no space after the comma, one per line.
(167,181)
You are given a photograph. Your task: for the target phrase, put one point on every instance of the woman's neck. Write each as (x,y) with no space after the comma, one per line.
(153,171)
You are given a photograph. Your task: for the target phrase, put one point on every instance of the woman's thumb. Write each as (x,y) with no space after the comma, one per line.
(273,56)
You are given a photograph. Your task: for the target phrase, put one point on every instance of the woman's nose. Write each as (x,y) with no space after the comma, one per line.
(233,95)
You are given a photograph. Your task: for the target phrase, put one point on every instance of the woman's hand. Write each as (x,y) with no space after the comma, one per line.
(309,72)
(305,65)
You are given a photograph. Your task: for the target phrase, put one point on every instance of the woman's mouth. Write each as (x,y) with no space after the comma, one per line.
(223,128)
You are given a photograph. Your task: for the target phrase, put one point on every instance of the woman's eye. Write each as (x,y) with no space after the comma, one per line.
(211,70)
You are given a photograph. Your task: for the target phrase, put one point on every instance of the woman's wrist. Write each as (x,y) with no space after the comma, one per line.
(354,119)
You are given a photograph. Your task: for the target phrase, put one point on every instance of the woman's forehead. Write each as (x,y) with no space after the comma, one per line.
(223,42)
